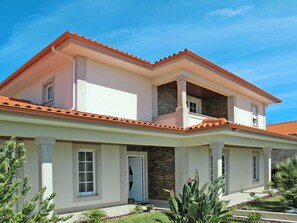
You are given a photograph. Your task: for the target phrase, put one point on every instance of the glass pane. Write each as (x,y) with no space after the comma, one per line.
(81,166)
(89,166)
(89,176)
(90,187)
(82,177)
(82,187)
(81,156)
(89,156)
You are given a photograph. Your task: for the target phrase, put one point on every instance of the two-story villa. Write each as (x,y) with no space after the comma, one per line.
(101,126)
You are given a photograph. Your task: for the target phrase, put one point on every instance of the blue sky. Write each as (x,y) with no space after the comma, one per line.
(255,39)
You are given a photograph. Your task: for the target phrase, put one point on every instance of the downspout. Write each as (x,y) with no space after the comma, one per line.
(73,75)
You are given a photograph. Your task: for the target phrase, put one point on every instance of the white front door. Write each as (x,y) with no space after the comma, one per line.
(135,165)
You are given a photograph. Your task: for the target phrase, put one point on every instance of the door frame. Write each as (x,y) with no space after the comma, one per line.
(143,155)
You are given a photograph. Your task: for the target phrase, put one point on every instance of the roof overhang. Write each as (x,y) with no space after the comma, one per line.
(73,45)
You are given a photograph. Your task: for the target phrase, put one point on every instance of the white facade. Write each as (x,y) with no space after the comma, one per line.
(108,84)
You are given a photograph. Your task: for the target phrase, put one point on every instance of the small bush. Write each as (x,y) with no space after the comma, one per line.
(94,216)
(285,180)
(137,210)
(254,217)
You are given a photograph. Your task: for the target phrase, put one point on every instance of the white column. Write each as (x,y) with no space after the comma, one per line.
(217,152)
(182,111)
(46,163)
(181,168)
(267,167)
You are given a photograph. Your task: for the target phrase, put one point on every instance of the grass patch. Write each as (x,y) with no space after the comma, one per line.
(143,218)
(272,204)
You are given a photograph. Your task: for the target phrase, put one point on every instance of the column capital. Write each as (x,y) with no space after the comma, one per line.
(267,149)
(45,141)
(181,78)
(216,145)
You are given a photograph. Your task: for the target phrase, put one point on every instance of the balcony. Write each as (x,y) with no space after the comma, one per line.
(183,103)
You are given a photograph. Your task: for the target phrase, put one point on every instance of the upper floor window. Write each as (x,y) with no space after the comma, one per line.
(254,115)
(48,92)
(194,104)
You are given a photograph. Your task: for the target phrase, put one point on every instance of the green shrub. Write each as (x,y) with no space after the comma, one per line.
(285,180)
(94,216)
(137,210)
(13,189)
(199,205)
(254,217)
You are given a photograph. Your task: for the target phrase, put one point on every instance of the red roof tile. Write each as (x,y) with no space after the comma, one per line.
(26,107)
(124,55)
(286,128)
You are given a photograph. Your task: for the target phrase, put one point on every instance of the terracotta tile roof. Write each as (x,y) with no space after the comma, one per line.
(26,107)
(139,61)
(286,128)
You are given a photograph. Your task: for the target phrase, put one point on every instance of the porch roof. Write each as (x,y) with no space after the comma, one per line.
(26,107)
(286,128)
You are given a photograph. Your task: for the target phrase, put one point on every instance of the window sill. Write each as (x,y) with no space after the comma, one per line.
(87,198)
(49,103)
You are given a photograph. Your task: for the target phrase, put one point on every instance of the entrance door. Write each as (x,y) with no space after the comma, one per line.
(135,177)
(224,172)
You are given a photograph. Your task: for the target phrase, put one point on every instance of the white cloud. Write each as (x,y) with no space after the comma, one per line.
(228,12)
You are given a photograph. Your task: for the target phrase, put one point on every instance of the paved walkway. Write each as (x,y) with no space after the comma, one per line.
(234,199)
(244,196)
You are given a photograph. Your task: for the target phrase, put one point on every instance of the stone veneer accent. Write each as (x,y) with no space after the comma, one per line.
(215,107)
(161,170)
(279,155)
(167,100)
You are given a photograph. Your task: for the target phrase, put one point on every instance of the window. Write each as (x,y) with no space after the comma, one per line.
(194,104)
(211,168)
(49,92)
(254,115)
(86,173)
(255,167)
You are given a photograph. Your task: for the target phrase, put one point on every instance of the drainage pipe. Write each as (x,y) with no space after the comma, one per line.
(73,75)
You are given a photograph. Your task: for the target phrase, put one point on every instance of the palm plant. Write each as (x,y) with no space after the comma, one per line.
(199,205)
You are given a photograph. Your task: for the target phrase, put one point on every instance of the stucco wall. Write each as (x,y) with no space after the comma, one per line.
(239,167)
(243,114)
(116,92)
(63,175)
(62,87)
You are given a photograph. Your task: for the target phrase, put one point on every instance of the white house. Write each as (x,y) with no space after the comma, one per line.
(101,126)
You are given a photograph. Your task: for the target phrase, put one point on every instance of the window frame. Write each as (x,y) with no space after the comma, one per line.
(98,162)
(45,86)
(255,168)
(87,193)
(194,100)
(47,99)
(255,117)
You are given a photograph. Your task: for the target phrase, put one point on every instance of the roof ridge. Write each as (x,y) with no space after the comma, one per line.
(281,123)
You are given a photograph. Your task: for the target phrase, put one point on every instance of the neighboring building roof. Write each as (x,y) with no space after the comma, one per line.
(139,61)
(26,107)
(286,128)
